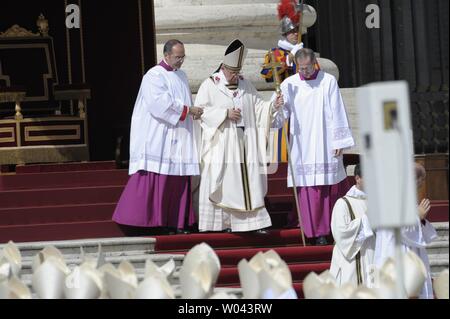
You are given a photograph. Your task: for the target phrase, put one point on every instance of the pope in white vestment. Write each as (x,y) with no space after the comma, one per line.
(352,260)
(233,180)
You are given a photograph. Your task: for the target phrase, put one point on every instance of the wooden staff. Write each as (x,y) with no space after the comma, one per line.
(276,77)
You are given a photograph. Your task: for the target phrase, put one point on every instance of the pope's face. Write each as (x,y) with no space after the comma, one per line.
(176,58)
(231,76)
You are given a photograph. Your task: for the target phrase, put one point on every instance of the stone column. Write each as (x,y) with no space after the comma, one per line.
(207,28)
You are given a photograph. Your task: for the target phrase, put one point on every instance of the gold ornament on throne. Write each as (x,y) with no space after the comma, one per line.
(17,31)
(42,24)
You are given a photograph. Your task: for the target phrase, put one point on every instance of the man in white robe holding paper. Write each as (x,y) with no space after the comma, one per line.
(163,153)
(352,260)
(319,132)
(235,129)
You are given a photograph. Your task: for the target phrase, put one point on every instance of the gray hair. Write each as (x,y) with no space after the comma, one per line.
(170,44)
(420,171)
(305,53)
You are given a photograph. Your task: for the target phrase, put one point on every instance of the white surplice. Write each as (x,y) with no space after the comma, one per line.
(352,237)
(318,126)
(231,194)
(415,238)
(159,141)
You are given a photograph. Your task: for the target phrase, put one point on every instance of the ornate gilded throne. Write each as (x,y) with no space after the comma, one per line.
(41,119)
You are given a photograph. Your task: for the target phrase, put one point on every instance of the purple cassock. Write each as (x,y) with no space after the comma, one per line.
(317,202)
(316,206)
(155,200)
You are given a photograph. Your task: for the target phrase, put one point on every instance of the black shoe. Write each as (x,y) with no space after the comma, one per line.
(321,241)
(183,231)
(171,231)
(261,232)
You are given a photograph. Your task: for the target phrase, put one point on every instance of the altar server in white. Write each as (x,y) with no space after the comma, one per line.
(415,238)
(352,260)
(319,132)
(163,152)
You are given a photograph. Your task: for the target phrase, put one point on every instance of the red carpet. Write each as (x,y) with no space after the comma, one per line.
(291,255)
(230,275)
(54,201)
(77,200)
(56,214)
(63,179)
(59,196)
(65,167)
(225,240)
(59,231)
(232,248)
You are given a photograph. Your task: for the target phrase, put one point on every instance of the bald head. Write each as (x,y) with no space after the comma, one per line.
(421,174)
(305,54)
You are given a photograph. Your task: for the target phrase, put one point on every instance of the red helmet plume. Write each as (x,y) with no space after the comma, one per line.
(287,8)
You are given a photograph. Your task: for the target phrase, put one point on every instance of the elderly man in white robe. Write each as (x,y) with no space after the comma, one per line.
(319,133)
(163,153)
(235,129)
(354,248)
(415,238)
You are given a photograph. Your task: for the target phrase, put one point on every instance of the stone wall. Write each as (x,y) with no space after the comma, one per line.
(207,27)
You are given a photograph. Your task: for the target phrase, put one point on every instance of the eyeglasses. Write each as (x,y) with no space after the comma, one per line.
(232,72)
(179,58)
(309,68)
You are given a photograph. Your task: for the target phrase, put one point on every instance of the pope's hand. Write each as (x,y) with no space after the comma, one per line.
(196,112)
(338,153)
(234,114)
(279,102)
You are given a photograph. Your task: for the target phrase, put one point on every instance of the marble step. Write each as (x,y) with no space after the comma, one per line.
(207,27)
(138,260)
(438,264)
(177,291)
(438,247)
(176,3)
(174,278)
(110,246)
(442,229)
(210,18)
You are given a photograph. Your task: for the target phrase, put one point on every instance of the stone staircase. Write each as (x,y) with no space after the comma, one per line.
(438,250)
(115,250)
(138,250)
(207,27)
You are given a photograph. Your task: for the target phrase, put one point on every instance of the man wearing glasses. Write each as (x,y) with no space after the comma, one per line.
(163,153)
(235,125)
(319,132)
